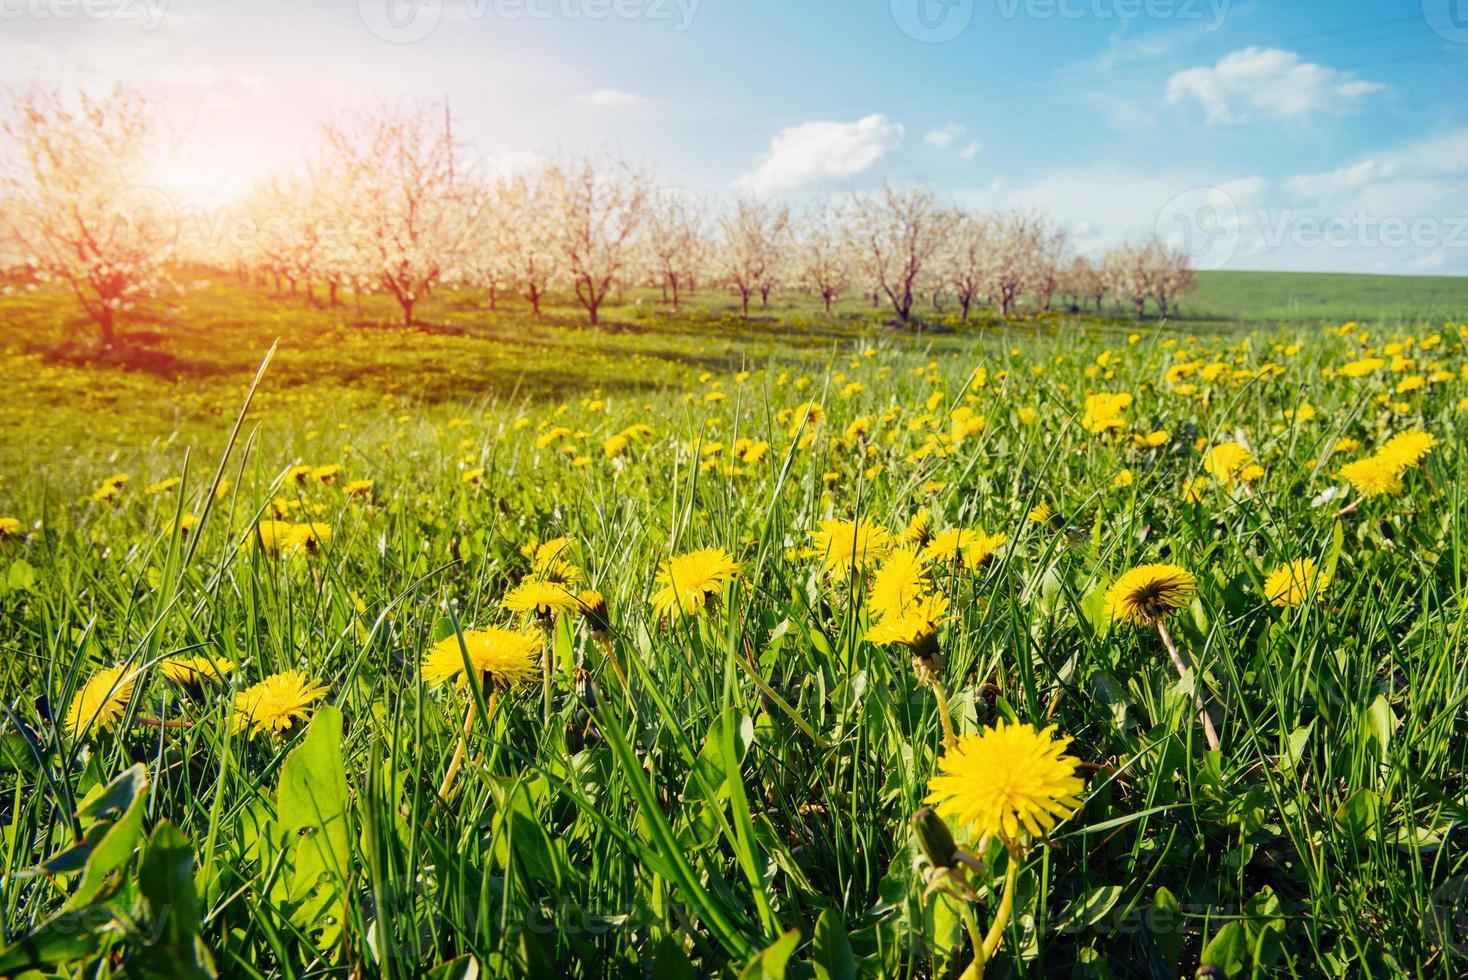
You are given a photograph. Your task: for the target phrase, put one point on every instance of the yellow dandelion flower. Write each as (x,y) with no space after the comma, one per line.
(306,539)
(101,700)
(543,598)
(1006,781)
(1226,462)
(964,547)
(689,580)
(9,527)
(1103,411)
(503,658)
(1149,592)
(1296,582)
(846,545)
(1361,368)
(1406,449)
(593,607)
(277,702)
(914,626)
(1373,476)
(898,582)
(191,672)
(1040,513)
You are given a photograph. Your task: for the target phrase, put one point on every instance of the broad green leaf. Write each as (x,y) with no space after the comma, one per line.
(113,848)
(1228,950)
(21,577)
(831,951)
(770,962)
(312,813)
(166,880)
(66,938)
(1166,925)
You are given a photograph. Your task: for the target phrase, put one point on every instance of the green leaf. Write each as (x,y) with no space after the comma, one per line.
(21,577)
(1360,815)
(1227,951)
(113,846)
(312,809)
(1166,926)
(65,938)
(831,952)
(166,880)
(770,962)
(1088,908)
(1380,724)
(464,967)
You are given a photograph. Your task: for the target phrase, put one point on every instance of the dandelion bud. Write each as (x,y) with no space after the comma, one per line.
(934,839)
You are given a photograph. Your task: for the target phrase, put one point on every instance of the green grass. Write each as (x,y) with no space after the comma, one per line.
(1313,297)
(734,788)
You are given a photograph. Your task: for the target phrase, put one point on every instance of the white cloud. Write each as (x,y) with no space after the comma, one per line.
(1348,178)
(970,150)
(1270,82)
(943,138)
(609,98)
(821,149)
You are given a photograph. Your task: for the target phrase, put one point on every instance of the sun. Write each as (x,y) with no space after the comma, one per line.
(202,179)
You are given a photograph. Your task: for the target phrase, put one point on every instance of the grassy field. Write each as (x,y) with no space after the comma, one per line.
(831,563)
(1295,297)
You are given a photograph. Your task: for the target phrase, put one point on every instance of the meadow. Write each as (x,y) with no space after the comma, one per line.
(800,646)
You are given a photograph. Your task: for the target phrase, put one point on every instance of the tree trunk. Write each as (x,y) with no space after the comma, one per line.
(407,312)
(104,324)
(963,304)
(744,303)
(331,287)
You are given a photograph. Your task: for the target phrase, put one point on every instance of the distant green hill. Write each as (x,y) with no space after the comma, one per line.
(1329,297)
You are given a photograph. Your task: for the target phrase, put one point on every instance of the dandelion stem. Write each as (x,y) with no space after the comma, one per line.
(1006,906)
(609,653)
(446,789)
(943,716)
(161,722)
(1204,717)
(781,703)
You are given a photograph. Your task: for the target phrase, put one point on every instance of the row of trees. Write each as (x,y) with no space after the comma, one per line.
(390,204)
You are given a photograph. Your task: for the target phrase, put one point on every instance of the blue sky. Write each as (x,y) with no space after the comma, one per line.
(1305,135)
